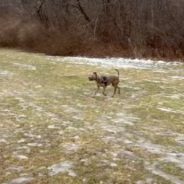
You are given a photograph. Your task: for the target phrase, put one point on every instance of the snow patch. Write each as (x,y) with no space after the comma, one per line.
(63,167)
(158,172)
(152,148)
(21,157)
(4,73)
(177,158)
(71,147)
(21,180)
(125,119)
(115,62)
(169,110)
(25,66)
(178,77)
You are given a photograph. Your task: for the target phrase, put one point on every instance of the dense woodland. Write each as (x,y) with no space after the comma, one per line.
(128,28)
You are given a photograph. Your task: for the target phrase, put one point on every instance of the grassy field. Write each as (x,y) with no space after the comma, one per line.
(53,130)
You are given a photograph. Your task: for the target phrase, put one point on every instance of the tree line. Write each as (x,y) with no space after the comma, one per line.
(129,28)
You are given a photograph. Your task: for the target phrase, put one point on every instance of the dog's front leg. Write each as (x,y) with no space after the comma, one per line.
(98,88)
(104,91)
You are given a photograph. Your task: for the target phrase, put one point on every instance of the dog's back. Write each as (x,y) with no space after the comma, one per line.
(107,80)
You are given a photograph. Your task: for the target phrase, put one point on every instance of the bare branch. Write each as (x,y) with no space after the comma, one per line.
(83,12)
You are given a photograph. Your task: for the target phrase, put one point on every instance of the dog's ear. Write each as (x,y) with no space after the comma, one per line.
(95,74)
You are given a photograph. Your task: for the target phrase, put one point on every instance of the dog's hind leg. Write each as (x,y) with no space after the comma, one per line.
(119,90)
(115,88)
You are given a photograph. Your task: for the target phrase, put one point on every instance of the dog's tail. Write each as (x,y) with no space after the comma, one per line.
(117,72)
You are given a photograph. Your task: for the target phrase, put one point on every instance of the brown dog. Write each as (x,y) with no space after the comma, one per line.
(104,81)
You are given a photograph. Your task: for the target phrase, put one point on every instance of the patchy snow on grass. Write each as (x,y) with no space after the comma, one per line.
(15,169)
(21,180)
(152,148)
(21,157)
(171,178)
(178,77)
(124,154)
(180,140)
(42,118)
(25,66)
(115,62)
(63,167)
(71,147)
(3,141)
(4,73)
(125,119)
(169,110)
(34,144)
(177,158)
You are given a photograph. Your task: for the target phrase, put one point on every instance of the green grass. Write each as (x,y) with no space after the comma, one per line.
(48,115)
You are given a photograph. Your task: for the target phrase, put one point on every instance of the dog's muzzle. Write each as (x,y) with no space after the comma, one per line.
(90,78)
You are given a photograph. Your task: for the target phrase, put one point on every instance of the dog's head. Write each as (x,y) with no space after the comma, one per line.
(93,77)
